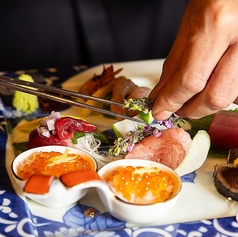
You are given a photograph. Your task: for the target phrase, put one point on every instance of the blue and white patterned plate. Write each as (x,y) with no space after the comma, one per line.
(200,211)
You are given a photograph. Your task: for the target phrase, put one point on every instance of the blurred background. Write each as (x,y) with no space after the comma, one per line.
(61,33)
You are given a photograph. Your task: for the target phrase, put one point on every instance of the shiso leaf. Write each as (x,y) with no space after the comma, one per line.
(200,124)
(21,147)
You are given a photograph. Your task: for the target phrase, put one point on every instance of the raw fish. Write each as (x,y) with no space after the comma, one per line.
(169,148)
(223,130)
(62,133)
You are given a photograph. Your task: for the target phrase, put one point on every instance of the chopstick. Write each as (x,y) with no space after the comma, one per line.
(45,91)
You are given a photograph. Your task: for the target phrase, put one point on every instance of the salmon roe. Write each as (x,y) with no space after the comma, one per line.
(52,163)
(141,185)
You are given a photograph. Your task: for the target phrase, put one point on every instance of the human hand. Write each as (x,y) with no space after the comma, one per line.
(200,75)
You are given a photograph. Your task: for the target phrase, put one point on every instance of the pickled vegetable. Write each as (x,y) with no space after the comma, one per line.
(23,101)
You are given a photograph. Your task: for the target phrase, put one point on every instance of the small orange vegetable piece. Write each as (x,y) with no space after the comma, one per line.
(77,177)
(38,184)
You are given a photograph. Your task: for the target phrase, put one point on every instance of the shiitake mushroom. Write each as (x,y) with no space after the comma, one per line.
(226,181)
(232,156)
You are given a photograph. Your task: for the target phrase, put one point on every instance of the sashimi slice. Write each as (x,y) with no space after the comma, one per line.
(37,140)
(223,130)
(65,127)
(63,132)
(169,148)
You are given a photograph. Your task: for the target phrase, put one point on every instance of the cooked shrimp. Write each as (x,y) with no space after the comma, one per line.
(122,89)
(140,92)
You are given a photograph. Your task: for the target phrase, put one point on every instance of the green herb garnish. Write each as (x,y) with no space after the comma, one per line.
(126,144)
(139,104)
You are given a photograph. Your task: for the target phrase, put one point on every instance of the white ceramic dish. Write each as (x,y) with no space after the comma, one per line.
(139,214)
(58,195)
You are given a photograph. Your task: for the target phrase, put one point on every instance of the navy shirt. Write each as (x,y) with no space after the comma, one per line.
(57,33)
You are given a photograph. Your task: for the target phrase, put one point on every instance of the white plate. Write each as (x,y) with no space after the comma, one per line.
(199,199)
(143,73)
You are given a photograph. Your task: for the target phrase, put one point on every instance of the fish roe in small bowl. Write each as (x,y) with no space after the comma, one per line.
(132,190)
(142,190)
(38,171)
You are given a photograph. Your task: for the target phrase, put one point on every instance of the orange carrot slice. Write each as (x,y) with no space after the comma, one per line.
(78,177)
(38,184)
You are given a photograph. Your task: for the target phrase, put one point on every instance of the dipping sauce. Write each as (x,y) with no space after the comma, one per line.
(141,185)
(53,163)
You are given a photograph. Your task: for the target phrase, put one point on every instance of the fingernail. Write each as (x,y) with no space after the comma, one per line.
(164,114)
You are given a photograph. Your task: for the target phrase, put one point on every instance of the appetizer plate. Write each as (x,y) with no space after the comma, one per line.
(198,200)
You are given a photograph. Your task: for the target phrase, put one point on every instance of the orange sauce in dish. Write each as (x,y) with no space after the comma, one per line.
(140,185)
(53,163)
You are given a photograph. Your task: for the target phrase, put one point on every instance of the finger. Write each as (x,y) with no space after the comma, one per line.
(221,90)
(171,63)
(197,63)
